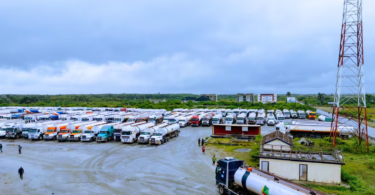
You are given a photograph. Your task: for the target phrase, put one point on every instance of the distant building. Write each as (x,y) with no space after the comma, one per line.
(187,99)
(279,157)
(212,97)
(267,98)
(156,101)
(245,97)
(291,100)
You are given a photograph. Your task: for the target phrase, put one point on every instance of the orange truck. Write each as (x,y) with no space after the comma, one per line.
(312,115)
(52,132)
(65,133)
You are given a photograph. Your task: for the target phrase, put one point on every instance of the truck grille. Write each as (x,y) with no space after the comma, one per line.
(72,136)
(153,140)
(84,137)
(60,136)
(46,135)
(99,138)
(142,139)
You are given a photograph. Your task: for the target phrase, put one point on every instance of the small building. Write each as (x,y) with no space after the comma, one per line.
(279,157)
(291,100)
(156,101)
(212,97)
(234,130)
(267,98)
(245,97)
(187,99)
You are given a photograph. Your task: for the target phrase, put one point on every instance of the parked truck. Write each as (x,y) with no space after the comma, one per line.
(65,133)
(53,131)
(164,134)
(230,118)
(207,120)
(196,120)
(156,119)
(105,134)
(293,114)
(234,178)
(260,119)
(183,121)
(146,134)
(286,113)
(12,130)
(217,119)
(130,133)
(26,128)
(280,118)
(301,114)
(241,119)
(37,133)
(252,118)
(117,130)
(91,131)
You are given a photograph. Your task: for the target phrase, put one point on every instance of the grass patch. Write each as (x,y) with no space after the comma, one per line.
(251,158)
(359,168)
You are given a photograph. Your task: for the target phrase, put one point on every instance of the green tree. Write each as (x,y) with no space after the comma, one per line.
(321,98)
(288,94)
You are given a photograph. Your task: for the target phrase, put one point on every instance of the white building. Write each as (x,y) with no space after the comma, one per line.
(278,157)
(267,98)
(245,97)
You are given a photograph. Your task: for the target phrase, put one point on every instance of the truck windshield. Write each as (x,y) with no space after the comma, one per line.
(117,119)
(50,130)
(75,119)
(252,118)
(25,129)
(32,130)
(156,134)
(312,114)
(181,120)
(240,118)
(145,133)
(281,118)
(89,132)
(117,130)
(228,119)
(172,120)
(63,119)
(98,119)
(64,131)
(215,119)
(287,113)
(85,119)
(259,118)
(103,132)
(130,120)
(139,120)
(77,131)
(195,119)
(126,133)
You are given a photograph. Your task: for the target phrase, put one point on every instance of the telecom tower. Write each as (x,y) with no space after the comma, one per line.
(350,96)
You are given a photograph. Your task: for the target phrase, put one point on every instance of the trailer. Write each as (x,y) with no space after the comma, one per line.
(164,134)
(234,178)
(318,130)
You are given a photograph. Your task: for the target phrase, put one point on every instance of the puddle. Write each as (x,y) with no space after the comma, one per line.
(243,150)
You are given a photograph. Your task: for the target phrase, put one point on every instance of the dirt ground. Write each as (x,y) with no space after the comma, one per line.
(176,167)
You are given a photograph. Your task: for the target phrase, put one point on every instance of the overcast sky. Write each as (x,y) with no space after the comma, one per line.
(169,46)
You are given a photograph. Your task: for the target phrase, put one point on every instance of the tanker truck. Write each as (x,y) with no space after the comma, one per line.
(12,130)
(234,178)
(146,134)
(91,131)
(164,134)
(130,133)
(53,131)
(117,130)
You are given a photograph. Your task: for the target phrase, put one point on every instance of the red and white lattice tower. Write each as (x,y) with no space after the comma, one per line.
(350,96)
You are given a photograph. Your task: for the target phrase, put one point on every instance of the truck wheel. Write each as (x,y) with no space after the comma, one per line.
(221,190)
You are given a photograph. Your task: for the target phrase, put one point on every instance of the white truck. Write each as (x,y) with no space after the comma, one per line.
(65,117)
(252,118)
(280,118)
(207,120)
(12,130)
(130,133)
(230,118)
(172,120)
(164,134)
(260,119)
(132,118)
(241,119)
(146,134)
(301,114)
(53,131)
(183,121)
(271,120)
(293,114)
(155,118)
(26,128)
(117,130)
(217,119)
(89,132)
(38,131)
(286,113)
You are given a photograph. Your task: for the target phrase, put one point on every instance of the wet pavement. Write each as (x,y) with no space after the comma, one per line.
(176,167)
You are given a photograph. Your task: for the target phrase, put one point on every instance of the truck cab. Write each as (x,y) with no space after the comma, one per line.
(25,130)
(13,131)
(63,135)
(217,119)
(241,118)
(312,115)
(105,134)
(195,121)
(183,121)
(75,135)
(224,174)
(172,120)
(230,119)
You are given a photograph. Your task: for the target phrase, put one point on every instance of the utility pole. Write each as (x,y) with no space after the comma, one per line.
(350,87)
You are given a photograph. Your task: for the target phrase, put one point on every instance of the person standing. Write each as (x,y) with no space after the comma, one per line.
(202,142)
(19,149)
(1,148)
(203,150)
(21,172)
(199,142)
(213,160)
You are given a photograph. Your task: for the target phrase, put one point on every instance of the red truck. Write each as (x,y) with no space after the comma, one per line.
(196,120)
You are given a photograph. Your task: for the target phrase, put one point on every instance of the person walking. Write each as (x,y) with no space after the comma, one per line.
(213,160)
(199,142)
(19,149)
(203,150)
(21,172)
(1,148)
(202,142)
